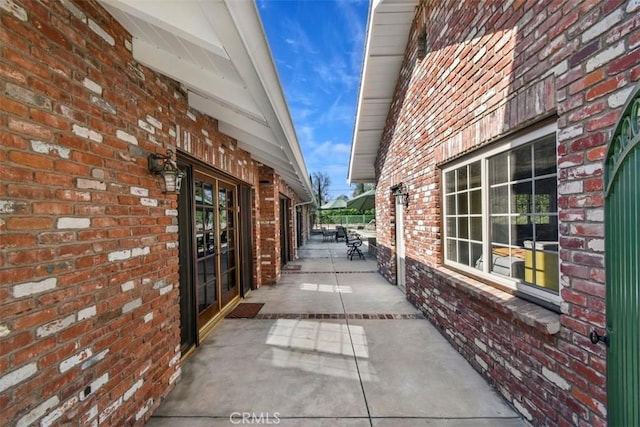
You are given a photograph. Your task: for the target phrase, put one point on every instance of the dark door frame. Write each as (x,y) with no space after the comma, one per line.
(285,204)
(245,194)
(188,315)
(299,226)
(191,332)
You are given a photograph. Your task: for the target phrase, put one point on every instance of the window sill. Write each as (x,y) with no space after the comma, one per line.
(539,318)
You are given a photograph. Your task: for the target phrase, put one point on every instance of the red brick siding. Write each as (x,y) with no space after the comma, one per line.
(268,261)
(491,69)
(270,188)
(88,240)
(287,192)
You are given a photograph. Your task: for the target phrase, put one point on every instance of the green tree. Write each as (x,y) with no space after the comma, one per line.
(362,188)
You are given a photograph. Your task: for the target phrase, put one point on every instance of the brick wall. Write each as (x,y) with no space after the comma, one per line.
(287,192)
(270,188)
(492,69)
(269,227)
(89,329)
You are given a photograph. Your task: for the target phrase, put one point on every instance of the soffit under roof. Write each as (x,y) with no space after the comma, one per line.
(218,51)
(387,35)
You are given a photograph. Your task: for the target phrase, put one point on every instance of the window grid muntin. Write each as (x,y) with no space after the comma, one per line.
(513,249)
(538,136)
(458,197)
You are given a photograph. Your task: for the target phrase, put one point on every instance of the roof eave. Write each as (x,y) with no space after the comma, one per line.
(276,111)
(383,56)
(218,50)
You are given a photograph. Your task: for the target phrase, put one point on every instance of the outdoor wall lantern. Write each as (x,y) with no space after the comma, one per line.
(402,195)
(168,168)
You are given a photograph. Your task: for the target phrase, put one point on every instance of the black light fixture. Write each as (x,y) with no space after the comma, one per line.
(167,167)
(402,195)
(422,45)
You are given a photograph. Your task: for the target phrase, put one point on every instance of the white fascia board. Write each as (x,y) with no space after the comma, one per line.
(253,137)
(191,75)
(362,174)
(278,164)
(245,41)
(272,155)
(256,146)
(241,134)
(260,54)
(354,139)
(388,64)
(274,158)
(223,113)
(181,18)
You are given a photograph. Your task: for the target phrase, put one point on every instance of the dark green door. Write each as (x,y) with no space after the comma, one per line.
(622,233)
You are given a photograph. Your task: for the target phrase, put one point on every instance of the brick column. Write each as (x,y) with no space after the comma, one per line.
(268,201)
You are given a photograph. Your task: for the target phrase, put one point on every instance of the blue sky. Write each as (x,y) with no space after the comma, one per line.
(317,46)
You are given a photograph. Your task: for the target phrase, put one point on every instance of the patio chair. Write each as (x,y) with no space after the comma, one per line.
(327,235)
(353,246)
(341,233)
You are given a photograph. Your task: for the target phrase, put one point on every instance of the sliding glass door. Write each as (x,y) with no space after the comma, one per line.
(227,252)
(207,251)
(208,218)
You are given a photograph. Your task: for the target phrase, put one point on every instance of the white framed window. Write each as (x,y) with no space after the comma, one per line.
(500,214)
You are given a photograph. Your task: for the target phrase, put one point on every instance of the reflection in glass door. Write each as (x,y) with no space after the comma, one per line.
(212,253)
(227,210)
(206,268)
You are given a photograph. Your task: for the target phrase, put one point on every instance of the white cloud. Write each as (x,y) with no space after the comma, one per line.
(302,113)
(305,135)
(328,156)
(339,111)
(334,74)
(318,50)
(298,38)
(357,31)
(329,148)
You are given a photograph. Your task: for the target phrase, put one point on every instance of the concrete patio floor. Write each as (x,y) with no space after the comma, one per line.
(291,368)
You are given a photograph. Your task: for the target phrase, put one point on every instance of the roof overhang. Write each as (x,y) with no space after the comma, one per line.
(218,51)
(387,34)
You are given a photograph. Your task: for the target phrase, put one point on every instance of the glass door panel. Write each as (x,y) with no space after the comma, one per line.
(206,263)
(227,212)
(214,246)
